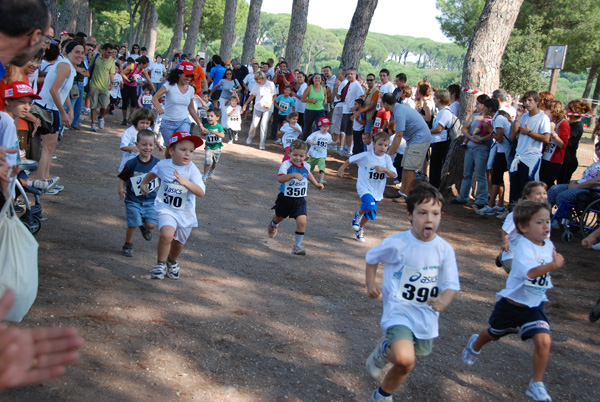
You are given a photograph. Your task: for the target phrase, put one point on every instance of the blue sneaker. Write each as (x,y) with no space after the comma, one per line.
(173,270)
(360,235)
(158,272)
(356,221)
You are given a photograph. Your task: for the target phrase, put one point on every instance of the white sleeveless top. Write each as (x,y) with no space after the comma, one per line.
(64,89)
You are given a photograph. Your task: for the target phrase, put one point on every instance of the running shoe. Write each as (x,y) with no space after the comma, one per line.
(272,230)
(211,173)
(101,123)
(127,250)
(277,141)
(356,220)
(158,272)
(360,235)
(537,391)
(377,361)
(146,233)
(469,356)
(173,270)
(93,127)
(381,398)
(298,250)
(502,215)
(487,210)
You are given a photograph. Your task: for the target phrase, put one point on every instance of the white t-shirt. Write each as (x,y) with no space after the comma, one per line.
(322,140)
(157,71)
(289,134)
(263,96)
(513,236)
(455,107)
(356,126)
(386,88)
(234,121)
(404,301)
(500,121)
(529,151)
(176,102)
(300,106)
(172,198)
(355,91)
(338,101)
(115,86)
(401,147)
(249,81)
(519,288)
(444,117)
(8,137)
(128,139)
(369,181)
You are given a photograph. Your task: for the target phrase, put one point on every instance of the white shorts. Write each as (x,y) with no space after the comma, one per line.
(336,120)
(166,219)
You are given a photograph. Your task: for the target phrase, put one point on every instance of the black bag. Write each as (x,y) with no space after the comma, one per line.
(45,117)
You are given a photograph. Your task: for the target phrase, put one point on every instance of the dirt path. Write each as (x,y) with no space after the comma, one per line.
(247,321)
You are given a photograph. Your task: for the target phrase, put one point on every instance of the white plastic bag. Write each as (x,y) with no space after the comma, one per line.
(18,261)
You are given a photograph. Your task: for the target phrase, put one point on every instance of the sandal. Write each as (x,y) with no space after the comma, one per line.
(595,313)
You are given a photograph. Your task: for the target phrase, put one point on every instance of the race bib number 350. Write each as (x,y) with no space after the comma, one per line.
(295,188)
(417,285)
(173,194)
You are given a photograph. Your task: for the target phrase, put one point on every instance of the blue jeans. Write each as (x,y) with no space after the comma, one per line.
(77,104)
(168,128)
(310,117)
(475,162)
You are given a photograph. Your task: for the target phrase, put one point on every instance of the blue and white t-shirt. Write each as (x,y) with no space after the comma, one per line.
(294,188)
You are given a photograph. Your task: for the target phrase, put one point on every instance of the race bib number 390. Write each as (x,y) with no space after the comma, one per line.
(173,194)
(417,285)
(295,188)
(135,184)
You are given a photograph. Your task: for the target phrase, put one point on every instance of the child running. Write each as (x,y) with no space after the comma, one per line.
(214,144)
(175,203)
(141,120)
(319,140)
(373,170)
(294,175)
(289,132)
(139,207)
(145,99)
(411,307)
(533,191)
(521,303)
(233,119)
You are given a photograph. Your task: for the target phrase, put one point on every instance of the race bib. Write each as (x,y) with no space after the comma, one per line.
(541,283)
(202,113)
(374,175)
(377,123)
(135,184)
(322,143)
(212,138)
(295,188)
(548,151)
(146,100)
(137,78)
(173,194)
(417,285)
(288,139)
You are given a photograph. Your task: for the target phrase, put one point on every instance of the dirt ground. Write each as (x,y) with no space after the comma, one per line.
(248,321)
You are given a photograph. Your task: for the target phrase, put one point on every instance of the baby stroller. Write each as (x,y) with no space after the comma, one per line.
(31,214)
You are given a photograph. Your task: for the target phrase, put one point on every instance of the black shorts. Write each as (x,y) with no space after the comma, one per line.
(129,97)
(508,318)
(498,168)
(216,95)
(289,206)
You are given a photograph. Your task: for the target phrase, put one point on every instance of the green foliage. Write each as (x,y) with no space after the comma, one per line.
(459,18)
(523,60)
(112,26)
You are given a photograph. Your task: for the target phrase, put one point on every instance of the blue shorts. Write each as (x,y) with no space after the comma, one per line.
(169,127)
(139,213)
(507,318)
(369,126)
(292,207)
(369,204)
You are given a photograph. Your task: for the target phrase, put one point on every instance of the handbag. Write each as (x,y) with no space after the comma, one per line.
(19,256)
(74,91)
(45,117)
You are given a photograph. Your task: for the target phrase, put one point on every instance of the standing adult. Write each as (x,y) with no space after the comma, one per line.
(239,73)
(400,82)
(100,81)
(454,91)
(77,92)
(228,87)
(199,77)
(440,140)
(424,104)
(158,72)
(179,101)
(570,162)
(55,94)
(132,76)
(135,52)
(215,76)
(386,86)
(329,78)
(338,109)
(314,97)
(264,95)
(371,99)
(350,93)
(300,87)
(410,126)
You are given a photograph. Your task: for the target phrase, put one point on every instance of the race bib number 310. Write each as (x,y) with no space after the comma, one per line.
(173,194)
(417,285)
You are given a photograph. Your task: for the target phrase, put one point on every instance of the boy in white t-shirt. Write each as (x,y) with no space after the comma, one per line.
(233,119)
(175,203)
(319,141)
(115,89)
(521,303)
(411,308)
(140,120)
(373,170)
(289,132)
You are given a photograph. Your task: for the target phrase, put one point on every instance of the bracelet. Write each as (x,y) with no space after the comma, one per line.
(529,132)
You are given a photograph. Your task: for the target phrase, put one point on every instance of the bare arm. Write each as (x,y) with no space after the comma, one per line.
(557,262)
(192,187)
(396,143)
(156,98)
(343,168)
(373,291)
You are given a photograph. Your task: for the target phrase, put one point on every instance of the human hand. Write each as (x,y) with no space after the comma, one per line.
(144,188)
(379,169)
(587,242)
(437,303)
(65,119)
(121,195)
(297,176)
(30,356)
(505,246)
(320,186)
(4,151)
(558,260)
(160,110)
(340,172)
(373,291)
(524,130)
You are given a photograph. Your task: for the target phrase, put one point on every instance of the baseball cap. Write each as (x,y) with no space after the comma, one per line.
(64,33)
(19,89)
(186,67)
(182,136)
(324,120)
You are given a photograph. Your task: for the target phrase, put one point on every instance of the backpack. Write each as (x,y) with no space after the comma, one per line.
(455,128)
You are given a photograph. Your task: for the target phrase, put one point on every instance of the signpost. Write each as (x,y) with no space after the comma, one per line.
(555,61)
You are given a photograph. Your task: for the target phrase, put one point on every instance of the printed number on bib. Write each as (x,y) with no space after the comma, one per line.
(135,184)
(295,188)
(374,175)
(377,123)
(418,285)
(173,194)
(212,139)
(541,282)
(322,143)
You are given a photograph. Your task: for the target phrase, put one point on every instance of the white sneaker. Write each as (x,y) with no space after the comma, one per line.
(298,250)
(277,141)
(376,397)
(360,235)
(596,246)
(487,210)
(93,127)
(101,123)
(537,391)
(469,356)
(205,177)
(376,361)
(211,173)
(249,140)
(502,215)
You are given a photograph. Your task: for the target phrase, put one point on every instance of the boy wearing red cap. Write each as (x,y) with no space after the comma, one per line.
(374,167)
(175,203)
(319,140)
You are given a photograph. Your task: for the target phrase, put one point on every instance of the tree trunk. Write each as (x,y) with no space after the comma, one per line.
(177,29)
(293,52)
(53,7)
(228,29)
(481,71)
(132,9)
(83,18)
(252,26)
(355,40)
(146,22)
(139,27)
(94,23)
(594,103)
(590,79)
(68,17)
(152,33)
(192,33)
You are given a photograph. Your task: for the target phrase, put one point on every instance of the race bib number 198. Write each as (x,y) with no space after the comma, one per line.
(418,285)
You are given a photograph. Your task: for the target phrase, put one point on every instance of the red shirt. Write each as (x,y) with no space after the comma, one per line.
(564,133)
(279,81)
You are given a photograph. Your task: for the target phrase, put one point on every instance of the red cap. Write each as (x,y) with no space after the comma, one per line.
(64,33)
(18,89)
(186,67)
(324,120)
(182,136)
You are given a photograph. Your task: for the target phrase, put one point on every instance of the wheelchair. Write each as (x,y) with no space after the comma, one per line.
(30,214)
(582,216)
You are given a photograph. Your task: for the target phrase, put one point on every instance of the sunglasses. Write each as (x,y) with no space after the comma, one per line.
(370,79)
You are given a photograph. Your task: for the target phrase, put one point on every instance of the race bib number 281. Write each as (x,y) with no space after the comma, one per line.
(135,184)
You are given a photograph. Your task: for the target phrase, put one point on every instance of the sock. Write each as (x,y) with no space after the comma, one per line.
(274,225)
(383,393)
(163,263)
(347,148)
(299,238)
(129,242)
